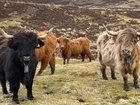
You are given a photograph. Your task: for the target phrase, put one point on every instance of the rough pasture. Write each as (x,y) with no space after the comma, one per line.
(77,83)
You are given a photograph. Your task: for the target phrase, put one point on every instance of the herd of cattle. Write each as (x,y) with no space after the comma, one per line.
(21,52)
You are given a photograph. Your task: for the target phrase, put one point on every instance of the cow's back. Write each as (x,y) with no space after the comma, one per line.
(80,45)
(49,47)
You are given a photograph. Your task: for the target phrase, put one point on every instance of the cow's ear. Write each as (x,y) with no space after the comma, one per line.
(11,44)
(40,43)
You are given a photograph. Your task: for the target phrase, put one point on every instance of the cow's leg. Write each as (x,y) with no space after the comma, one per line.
(15,88)
(135,76)
(88,53)
(44,64)
(64,61)
(103,67)
(83,57)
(125,79)
(113,73)
(52,64)
(103,71)
(3,84)
(126,87)
(29,90)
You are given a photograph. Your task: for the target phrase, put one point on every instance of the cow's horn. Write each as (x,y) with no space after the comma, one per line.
(110,32)
(138,33)
(4,34)
(44,36)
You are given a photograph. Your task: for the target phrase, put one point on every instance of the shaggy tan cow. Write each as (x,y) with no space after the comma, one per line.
(74,47)
(106,54)
(126,54)
(46,54)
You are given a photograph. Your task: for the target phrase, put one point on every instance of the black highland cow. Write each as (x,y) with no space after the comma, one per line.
(18,61)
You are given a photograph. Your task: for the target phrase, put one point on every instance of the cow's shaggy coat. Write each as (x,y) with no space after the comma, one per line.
(46,54)
(74,47)
(106,54)
(18,63)
(126,54)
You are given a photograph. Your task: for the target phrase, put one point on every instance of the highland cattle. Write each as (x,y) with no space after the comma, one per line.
(123,47)
(74,47)
(18,61)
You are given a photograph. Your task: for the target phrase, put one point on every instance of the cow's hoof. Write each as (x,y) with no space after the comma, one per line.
(51,73)
(136,86)
(114,78)
(5,92)
(126,88)
(105,78)
(15,102)
(30,97)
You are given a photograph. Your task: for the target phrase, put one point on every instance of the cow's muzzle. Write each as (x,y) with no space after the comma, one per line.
(127,55)
(26,60)
(126,52)
(61,48)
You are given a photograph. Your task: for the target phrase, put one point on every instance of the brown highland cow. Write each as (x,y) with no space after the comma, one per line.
(74,47)
(46,54)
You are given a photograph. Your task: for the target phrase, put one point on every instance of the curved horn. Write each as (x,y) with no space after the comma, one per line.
(4,34)
(138,33)
(50,30)
(110,32)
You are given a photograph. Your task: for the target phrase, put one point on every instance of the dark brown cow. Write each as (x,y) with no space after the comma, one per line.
(46,54)
(74,47)
(126,53)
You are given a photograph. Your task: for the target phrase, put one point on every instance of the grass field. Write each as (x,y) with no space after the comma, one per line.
(77,83)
